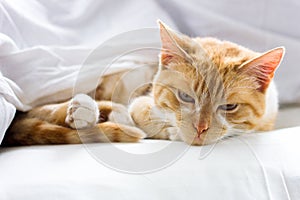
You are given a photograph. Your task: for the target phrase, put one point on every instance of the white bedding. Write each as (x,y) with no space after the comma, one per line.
(257,166)
(43,44)
(254,166)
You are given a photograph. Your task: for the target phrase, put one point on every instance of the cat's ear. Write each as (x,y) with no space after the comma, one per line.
(171,46)
(262,68)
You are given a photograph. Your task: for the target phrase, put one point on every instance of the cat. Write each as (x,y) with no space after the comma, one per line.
(203,90)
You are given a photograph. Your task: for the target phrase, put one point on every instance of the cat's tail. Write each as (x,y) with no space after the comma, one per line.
(33,131)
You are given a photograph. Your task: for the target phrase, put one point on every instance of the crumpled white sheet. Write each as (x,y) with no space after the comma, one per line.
(7,114)
(44,43)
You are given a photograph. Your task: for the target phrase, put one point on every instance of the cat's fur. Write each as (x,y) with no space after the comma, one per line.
(204,90)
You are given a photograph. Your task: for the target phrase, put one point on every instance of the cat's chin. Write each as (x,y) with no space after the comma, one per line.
(196,141)
(199,142)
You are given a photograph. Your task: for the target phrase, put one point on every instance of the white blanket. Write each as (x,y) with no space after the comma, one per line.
(263,166)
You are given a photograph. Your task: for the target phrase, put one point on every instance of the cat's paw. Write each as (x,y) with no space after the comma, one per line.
(82,112)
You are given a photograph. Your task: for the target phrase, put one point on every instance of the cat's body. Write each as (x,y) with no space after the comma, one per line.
(204,89)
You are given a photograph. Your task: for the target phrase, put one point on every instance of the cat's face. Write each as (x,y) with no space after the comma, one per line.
(212,87)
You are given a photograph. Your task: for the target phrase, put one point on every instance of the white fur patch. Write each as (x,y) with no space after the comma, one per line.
(271,102)
(120,115)
(82,112)
(174,134)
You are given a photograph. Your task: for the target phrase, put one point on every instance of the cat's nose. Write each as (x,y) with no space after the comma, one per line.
(201,128)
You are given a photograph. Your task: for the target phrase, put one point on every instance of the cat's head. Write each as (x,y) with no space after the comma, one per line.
(215,87)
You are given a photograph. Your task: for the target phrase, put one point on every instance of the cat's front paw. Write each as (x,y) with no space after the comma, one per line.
(82,112)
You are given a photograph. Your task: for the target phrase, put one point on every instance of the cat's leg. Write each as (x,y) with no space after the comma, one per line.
(56,123)
(111,132)
(82,112)
(52,113)
(157,124)
(101,118)
(32,131)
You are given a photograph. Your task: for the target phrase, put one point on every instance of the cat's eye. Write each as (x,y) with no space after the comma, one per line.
(228,107)
(185,97)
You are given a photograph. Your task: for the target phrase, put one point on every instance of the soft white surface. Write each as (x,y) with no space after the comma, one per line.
(255,166)
(259,166)
(43,45)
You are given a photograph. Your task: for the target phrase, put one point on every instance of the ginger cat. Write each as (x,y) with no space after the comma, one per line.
(204,90)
